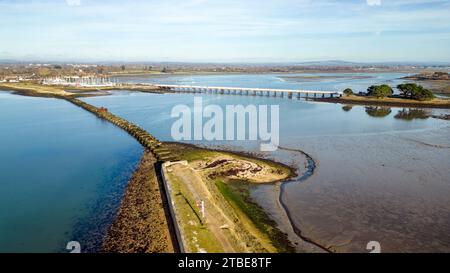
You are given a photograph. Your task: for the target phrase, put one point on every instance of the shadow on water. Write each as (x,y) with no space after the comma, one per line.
(347,108)
(378,111)
(411,114)
(407,114)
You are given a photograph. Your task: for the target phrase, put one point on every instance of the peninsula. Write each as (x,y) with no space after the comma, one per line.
(185,174)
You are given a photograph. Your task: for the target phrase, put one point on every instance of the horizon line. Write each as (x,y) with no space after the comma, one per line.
(295,62)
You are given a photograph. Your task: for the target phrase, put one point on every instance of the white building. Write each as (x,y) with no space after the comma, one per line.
(85,81)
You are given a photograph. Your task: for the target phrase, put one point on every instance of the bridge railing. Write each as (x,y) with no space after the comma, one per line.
(227,88)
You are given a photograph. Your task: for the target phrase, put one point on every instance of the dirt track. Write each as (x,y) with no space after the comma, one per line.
(214,217)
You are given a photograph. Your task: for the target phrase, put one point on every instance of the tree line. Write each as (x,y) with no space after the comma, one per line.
(407,90)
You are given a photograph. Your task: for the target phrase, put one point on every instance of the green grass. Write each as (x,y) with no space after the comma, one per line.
(237,193)
(190,224)
(197,154)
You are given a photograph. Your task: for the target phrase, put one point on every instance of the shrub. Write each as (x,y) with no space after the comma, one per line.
(348,92)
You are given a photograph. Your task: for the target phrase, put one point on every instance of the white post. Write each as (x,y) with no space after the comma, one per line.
(203,209)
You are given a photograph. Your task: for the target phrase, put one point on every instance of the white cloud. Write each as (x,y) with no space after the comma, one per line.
(373,2)
(73,2)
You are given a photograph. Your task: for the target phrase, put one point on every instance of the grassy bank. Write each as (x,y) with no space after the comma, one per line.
(238,194)
(252,225)
(59,91)
(196,235)
(35,90)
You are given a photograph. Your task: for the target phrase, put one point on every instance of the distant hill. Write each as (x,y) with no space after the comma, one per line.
(328,63)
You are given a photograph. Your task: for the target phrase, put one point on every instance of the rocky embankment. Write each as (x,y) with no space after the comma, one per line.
(142,224)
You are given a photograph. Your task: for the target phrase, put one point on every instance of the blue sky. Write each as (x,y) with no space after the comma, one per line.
(225,31)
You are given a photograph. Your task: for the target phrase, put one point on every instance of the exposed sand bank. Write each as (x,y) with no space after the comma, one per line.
(58,91)
(396,193)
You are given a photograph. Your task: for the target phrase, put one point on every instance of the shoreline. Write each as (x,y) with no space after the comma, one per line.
(388,102)
(311,168)
(294,177)
(226,189)
(36,90)
(63,92)
(141,209)
(249,72)
(118,237)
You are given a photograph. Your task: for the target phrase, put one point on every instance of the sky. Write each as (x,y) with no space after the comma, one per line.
(225,30)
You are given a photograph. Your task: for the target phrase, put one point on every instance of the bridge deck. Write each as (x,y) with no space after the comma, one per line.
(220,88)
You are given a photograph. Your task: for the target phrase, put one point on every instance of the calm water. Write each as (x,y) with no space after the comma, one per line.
(382,173)
(62,172)
(320,81)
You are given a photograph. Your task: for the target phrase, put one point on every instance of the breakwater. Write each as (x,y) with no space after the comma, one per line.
(145,185)
(143,137)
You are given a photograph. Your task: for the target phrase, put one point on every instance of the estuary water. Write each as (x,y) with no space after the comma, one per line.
(381,173)
(62,174)
(306,81)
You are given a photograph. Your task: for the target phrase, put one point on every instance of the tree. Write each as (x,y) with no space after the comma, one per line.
(123,67)
(422,94)
(415,91)
(406,89)
(348,92)
(380,91)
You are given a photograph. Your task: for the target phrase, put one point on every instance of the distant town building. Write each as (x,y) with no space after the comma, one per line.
(12,79)
(85,81)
